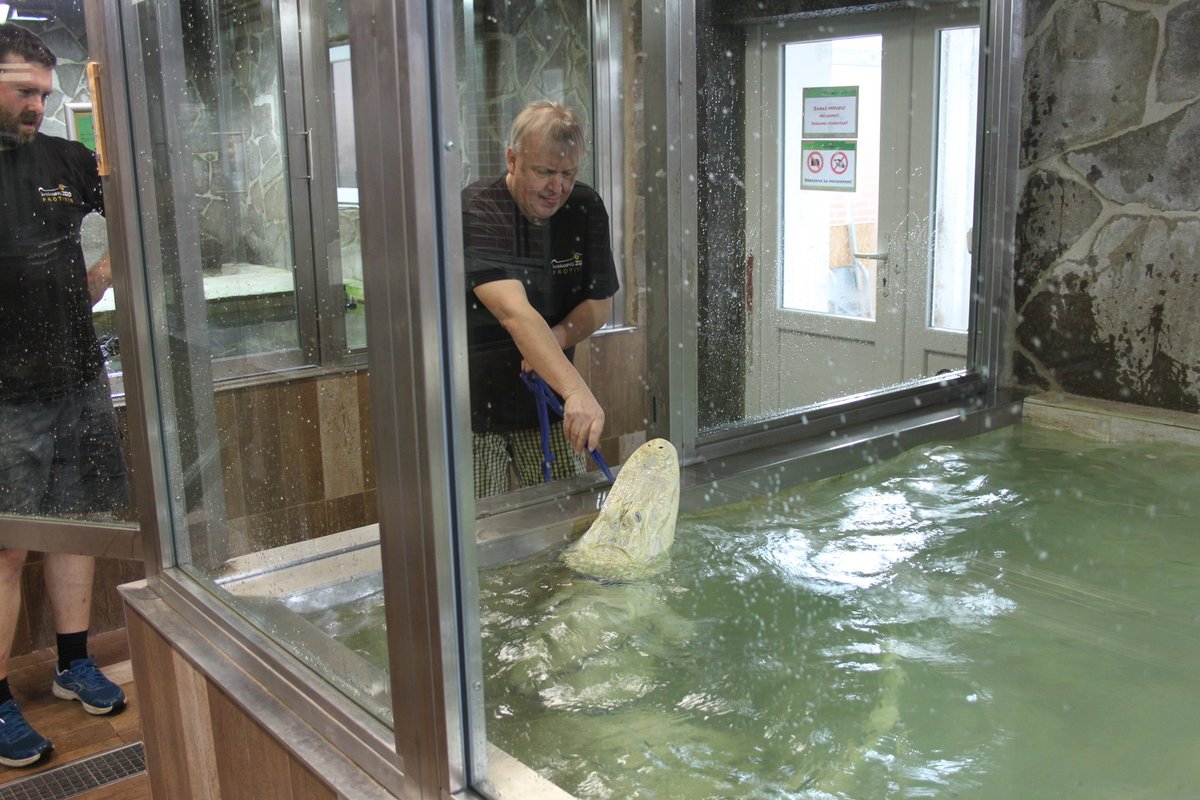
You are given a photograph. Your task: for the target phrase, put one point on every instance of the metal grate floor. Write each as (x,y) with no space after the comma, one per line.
(80,776)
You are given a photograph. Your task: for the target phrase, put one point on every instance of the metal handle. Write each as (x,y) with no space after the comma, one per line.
(93,79)
(871,256)
(308,152)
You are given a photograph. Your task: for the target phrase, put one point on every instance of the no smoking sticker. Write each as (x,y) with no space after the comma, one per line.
(829,165)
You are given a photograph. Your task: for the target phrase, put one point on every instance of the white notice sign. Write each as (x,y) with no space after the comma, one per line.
(830,112)
(829,166)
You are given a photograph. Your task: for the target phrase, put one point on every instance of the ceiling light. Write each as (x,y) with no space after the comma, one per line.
(28,14)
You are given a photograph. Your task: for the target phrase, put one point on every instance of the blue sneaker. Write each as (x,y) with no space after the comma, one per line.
(83,681)
(20,745)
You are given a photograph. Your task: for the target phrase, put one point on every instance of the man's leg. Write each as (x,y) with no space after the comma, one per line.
(20,745)
(69,584)
(530,457)
(12,563)
(492,464)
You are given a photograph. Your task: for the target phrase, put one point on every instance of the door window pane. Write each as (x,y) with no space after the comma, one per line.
(233,130)
(824,228)
(954,207)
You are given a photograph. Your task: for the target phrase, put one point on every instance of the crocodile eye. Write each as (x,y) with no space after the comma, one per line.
(637,517)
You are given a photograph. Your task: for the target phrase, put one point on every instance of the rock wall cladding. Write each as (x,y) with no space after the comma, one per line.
(1107,274)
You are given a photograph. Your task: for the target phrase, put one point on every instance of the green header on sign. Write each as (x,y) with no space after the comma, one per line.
(831,91)
(827,145)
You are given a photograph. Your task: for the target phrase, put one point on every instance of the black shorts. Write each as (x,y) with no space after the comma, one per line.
(63,456)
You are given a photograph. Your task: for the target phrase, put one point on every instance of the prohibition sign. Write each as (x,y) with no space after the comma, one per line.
(828,165)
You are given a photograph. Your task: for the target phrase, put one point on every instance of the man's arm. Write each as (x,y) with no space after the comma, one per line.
(584,320)
(99,277)
(583,418)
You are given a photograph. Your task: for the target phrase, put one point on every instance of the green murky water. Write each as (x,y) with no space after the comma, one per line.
(1013,616)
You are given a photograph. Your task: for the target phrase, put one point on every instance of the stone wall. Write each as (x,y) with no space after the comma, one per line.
(1107,273)
(525,50)
(235,135)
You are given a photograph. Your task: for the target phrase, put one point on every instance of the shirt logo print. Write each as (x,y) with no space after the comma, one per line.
(569,265)
(57,194)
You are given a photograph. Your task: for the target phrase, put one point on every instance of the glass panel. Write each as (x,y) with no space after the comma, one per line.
(804,292)
(271,481)
(826,224)
(954,205)
(61,445)
(236,138)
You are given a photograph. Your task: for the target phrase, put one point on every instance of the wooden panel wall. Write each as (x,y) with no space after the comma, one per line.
(297,460)
(202,744)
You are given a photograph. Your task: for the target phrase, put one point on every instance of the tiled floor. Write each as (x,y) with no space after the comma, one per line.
(76,734)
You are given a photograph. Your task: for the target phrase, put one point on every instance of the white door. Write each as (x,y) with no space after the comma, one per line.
(860,177)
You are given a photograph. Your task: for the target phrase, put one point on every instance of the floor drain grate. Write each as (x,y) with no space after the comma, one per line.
(80,776)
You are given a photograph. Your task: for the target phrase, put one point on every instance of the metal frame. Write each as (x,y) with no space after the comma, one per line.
(317,134)
(46,535)
(105,41)
(669,40)
(304,210)
(608,120)
(1002,56)
(411,381)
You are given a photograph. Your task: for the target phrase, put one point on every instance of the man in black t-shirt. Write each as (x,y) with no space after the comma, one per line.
(60,451)
(540,277)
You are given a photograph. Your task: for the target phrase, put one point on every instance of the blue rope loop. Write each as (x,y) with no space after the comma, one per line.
(546,401)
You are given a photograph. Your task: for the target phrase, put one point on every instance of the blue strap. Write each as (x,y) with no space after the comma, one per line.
(546,401)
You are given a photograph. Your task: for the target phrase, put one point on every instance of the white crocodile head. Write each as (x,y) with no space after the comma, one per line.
(630,538)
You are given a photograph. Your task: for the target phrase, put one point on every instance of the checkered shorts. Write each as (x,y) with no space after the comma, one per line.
(504,461)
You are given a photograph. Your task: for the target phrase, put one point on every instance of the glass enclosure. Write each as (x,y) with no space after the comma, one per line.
(797,223)
(252,279)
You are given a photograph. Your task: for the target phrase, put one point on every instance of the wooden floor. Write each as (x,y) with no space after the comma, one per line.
(75,733)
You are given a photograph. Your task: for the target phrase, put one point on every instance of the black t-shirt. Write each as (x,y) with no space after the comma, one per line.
(48,343)
(561,263)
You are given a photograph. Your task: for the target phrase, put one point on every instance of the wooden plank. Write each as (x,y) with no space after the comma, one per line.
(250,764)
(153,669)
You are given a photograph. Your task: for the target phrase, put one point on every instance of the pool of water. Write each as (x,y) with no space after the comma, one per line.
(1012,616)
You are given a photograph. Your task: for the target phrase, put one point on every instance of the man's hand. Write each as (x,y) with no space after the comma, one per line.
(583,420)
(99,278)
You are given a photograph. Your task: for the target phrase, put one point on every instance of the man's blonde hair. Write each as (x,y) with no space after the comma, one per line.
(544,120)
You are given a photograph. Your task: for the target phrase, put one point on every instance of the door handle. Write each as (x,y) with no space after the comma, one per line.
(881,272)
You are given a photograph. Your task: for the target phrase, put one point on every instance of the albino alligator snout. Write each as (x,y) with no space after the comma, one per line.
(630,538)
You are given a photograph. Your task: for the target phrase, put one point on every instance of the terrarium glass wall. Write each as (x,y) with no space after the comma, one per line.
(737,123)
